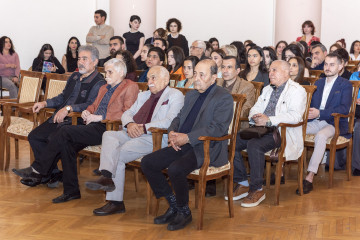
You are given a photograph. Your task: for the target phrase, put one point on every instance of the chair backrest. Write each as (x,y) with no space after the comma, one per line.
(351,68)
(311,80)
(55,84)
(174,79)
(258,86)
(184,90)
(315,73)
(353,63)
(355,85)
(309,93)
(139,72)
(142,86)
(101,70)
(30,84)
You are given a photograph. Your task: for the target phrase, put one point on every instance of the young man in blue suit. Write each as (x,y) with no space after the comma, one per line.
(333,95)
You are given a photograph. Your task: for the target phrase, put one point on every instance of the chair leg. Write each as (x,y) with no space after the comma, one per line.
(331,166)
(230,196)
(136,178)
(305,158)
(197,194)
(268,174)
(16,148)
(201,196)
(78,164)
(349,159)
(301,172)
(2,152)
(7,146)
(279,166)
(148,197)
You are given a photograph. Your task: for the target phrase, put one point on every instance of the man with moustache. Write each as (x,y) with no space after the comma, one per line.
(116,44)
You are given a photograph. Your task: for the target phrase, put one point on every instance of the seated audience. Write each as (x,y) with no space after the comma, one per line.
(344,73)
(332,95)
(334,47)
(158,33)
(56,138)
(255,69)
(240,51)
(342,43)
(46,61)
(174,26)
(185,152)
(297,67)
(155,57)
(130,63)
(161,43)
(197,49)
(156,107)
(293,50)
(355,51)
(266,112)
(318,54)
(69,60)
(356,139)
(143,56)
(217,56)
(247,42)
(214,43)
(9,66)
(269,55)
(308,30)
(279,49)
(230,50)
(175,57)
(188,69)
(116,44)
(208,49)
(250,45)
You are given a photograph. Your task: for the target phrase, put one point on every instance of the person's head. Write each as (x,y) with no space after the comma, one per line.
(239,47)
(355,47)
(205,75)
(127,58)
(88,59)
(319,53)
(6,44)
(305,48)
(255,58)
(100,17)
(214,43)
(334,47)
(189,66)
(72,46)
(313,43)
(116,43)
(208,49)
(160,33)
(161,43)
(144,51)
(197,48)
(230,50)
(280,47)
(291,50)
(248,46)
(173,25)
(155,57)
(279,72)
(269,55)
(115,70)
(297,68)
(134,22)
(308,27)
(158,78)
(230,68)
(333,64)
(341,42)
(175,58)
(46,52)
(344,55)
(217,56)
(247,42)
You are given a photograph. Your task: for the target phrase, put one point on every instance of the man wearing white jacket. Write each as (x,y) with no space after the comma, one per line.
(283,101)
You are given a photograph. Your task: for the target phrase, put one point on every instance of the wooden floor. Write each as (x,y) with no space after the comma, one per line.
(27,213)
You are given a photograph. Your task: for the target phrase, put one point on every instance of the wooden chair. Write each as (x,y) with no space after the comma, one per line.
(174,79)
(351,68)
(339,142)
(101,70)
(311,80)
(142,86)
(139,73)
(353,63)
(29,91)
(258,87)
(315,73)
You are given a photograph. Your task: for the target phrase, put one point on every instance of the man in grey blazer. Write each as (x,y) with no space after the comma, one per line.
(154,108)
(206,112)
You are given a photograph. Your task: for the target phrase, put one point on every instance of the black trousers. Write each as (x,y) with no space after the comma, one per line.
(63,142)
(179,164)
(256,149)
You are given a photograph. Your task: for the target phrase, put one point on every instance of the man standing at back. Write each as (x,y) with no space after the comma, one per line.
(99,35)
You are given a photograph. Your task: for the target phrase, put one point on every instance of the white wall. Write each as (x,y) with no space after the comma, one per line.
(227,20)
(30,24)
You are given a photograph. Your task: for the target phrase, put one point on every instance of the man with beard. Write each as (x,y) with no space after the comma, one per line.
(116,44)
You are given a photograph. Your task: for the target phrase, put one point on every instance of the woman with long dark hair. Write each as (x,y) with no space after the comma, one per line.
(69,60)
(294,50)
(355,50)
(188,68)
(297,67)
(46,61)
(175,57)
(270,56)
(217,56)
(279,48)
(130,63)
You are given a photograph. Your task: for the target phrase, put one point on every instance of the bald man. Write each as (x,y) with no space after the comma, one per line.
(283,101)
(207,111)
(156,107)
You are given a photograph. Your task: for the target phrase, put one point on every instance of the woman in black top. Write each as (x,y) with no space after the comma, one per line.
(69,60)
(134,39)
(173,26)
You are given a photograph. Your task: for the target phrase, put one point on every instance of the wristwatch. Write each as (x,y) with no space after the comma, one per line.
(269,123)
(68,108)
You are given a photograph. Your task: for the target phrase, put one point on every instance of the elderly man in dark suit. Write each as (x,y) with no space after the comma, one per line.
(206,112)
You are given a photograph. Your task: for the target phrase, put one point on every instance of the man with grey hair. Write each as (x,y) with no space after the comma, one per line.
(283,101)
(56,138)
(318,54)
(154,108)
(197,49)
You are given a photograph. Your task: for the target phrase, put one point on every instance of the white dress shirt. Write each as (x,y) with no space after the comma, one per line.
(327,89)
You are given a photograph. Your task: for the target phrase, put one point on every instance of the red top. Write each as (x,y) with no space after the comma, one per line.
(302,38)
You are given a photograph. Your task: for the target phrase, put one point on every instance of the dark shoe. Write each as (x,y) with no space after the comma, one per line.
(97,172)
(55,179)
(109,208)
(23,172)
(307,187)
(103,183)
(30,182)
(179,222)
(191,184)
(167,217)
(356,172)
(67,197)
(210,190)
(272,180)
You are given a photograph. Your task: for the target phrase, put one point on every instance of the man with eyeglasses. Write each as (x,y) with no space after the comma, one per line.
(197,49)
(155,57)
(116,44)
(80,91)
(156,107)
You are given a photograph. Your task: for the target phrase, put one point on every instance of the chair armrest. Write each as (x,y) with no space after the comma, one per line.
(244,119)
(157,134)
(158,130)
(74,116)
(2,101)
(339,115)
(204,138)
(290,125)
(112,125)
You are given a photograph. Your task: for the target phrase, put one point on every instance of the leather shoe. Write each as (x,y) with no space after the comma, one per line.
(180,221)
(109,208)
(97,172)
(30,182)
(102,183)
(55,179)
(307,187)
(272,180)
(24,172)
(210,190)
(356,172)
(67,197)
(167,217)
